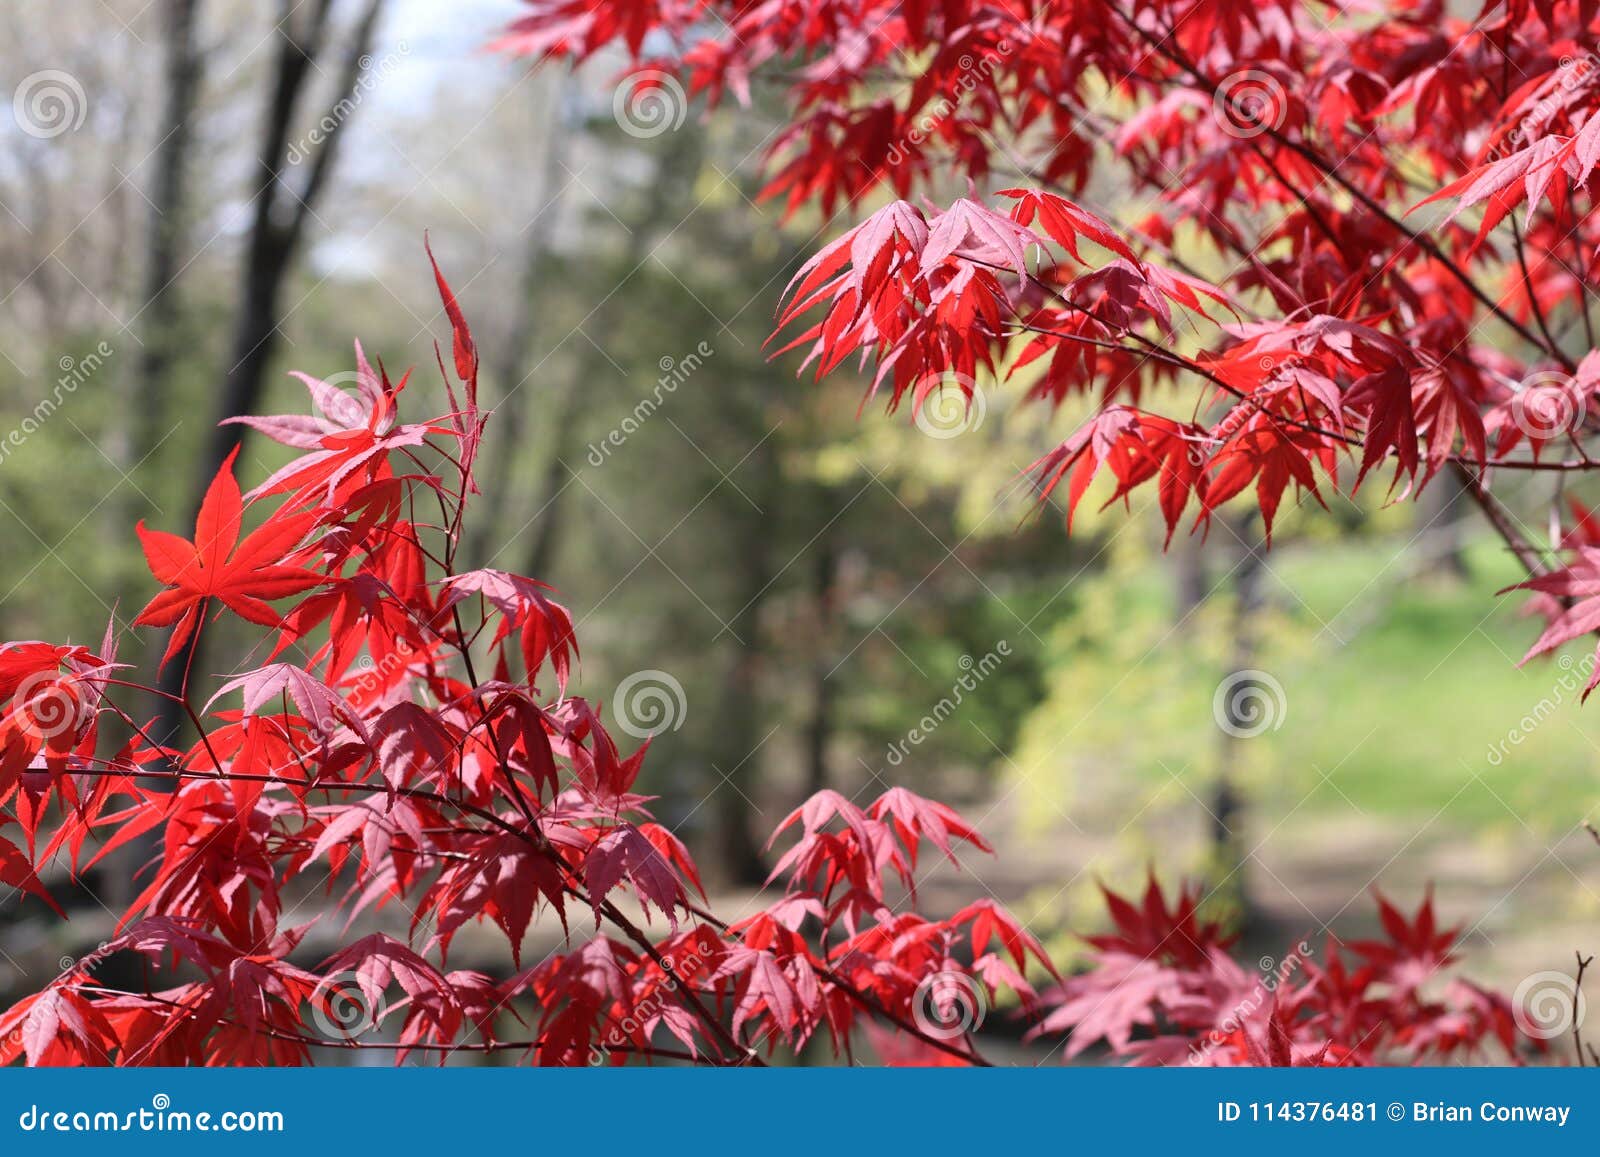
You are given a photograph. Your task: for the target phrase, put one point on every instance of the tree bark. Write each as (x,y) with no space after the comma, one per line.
(276,234)
(511,413)
(1227,802)
(280,216)
(160,313)
(825,601)
(169,202)
(737,761)
(675,179)
(1189,579)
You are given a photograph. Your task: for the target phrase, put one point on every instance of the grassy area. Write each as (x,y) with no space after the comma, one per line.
(1403,691)
(1416,704)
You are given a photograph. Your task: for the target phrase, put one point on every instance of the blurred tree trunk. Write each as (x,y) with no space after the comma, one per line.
(677,170)
(168,193)
(159,316)
(1238,721)
(276,235)
(736,760)
(825,601)
(1441,513)
(512,410)
(281,211)
(1189,579)
(552,485)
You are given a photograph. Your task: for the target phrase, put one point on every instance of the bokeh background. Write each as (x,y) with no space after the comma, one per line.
(795,590)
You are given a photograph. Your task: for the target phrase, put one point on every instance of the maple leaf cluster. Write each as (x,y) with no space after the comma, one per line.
(410,748)
(1162,989)
(369,760)
(1351,330)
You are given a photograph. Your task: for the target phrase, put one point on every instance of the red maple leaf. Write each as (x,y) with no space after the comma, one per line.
(216,565)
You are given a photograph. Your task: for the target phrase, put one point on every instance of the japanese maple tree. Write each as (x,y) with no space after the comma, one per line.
(1353,332)
(1352,246)
(1397,199)
(409,745)
(1164,990)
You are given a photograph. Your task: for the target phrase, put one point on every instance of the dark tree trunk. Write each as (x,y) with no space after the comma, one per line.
(160,315)
(276,234)
(1240,706)
(159,320)
(280,216)
(737,761)
(825,600)
(674,182)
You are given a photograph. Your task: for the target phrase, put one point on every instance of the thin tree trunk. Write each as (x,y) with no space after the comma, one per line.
(280,218)
(517,396)
(674,181)
(1240,706)
(825,600)
(160,315)
(1189,579)
(737,761)
(276,235)
(552,486)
